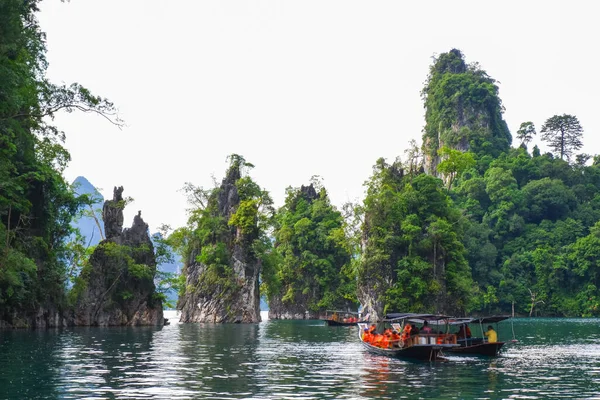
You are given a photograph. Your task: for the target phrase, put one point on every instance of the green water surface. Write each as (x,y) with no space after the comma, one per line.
(553,359)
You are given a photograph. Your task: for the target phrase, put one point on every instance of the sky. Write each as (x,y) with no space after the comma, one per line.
(298,88)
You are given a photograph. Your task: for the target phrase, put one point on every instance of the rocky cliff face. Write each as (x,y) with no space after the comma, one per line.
(119,287)
(228,293)
(297,310)
(462,110)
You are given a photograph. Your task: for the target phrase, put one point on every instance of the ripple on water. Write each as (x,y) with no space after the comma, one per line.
(288,360)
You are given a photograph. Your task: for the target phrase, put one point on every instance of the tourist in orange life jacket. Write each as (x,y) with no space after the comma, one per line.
(367,336)
(406,332)
(377,340)
(385,340)
(395,339)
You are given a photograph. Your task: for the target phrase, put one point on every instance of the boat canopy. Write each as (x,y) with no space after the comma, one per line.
(437,319)
(417,318)
(474,320)
(343,312)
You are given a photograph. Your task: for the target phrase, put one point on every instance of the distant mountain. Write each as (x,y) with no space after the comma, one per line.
(87,225)
(173,267)
(263,304)
(88,228)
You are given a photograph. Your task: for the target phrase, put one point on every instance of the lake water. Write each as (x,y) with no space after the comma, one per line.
(554,359)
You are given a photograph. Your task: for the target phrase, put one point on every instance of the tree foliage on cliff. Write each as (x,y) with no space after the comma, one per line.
(314,266)
(462,108)
(563,134)
(211,231)
(36,205)
(531,233)
(413,257)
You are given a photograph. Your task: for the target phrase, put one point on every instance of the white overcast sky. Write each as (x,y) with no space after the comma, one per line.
(299,88)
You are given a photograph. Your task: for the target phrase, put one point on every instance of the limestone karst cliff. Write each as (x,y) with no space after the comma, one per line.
(222,269)
(462,110)
(117,287)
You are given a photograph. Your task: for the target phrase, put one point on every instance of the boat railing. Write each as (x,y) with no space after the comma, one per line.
(431,338)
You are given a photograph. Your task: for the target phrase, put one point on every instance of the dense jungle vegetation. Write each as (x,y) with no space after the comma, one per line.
(36,204)
(463,220)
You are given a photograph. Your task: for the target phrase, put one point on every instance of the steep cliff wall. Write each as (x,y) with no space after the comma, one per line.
(222,270)
(462,110)
(117,287)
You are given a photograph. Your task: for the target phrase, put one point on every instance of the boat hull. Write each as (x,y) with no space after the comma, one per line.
(331,322)
(482,349)
(417,352)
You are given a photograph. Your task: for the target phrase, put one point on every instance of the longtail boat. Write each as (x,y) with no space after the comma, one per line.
(343,318)
(427,346)
(478,345)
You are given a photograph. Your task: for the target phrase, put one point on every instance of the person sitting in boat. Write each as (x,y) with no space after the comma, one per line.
(395,339)
(377,338)
(464,332)
(405,333)
(426,328)
(373,329)
(385,340)
(366,336)
(491,334)
(414,330)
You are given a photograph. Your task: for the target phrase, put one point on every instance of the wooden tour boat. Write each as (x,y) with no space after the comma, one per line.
(343,318)
(427,346)
(478,345)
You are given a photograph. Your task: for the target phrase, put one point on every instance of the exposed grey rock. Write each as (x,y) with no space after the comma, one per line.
(238,301)
(120,288)
(297,310)
(112,214)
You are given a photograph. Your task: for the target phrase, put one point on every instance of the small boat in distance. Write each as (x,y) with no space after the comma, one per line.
(343,318)
(426,346)
(478,345)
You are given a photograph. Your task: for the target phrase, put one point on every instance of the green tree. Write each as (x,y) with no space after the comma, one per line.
(462,110)
(413,258)
(36,204)
(454,162)
(563,134)
(526,132)
(315,270)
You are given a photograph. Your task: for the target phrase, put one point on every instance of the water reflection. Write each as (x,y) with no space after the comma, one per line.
(555,358)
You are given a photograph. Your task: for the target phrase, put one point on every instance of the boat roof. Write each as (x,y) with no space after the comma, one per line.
(414,317)
(437,319)
(343,312)
(478,320)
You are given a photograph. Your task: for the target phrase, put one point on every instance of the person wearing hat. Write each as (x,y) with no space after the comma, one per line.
(491,334)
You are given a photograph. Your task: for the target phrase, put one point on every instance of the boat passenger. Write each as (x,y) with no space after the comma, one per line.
(426,328)
(373,329)
(395,339)
(366,336)
(464,332)
(385,341)
(377,340)
(414,330)
(491,335)
(405,333)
